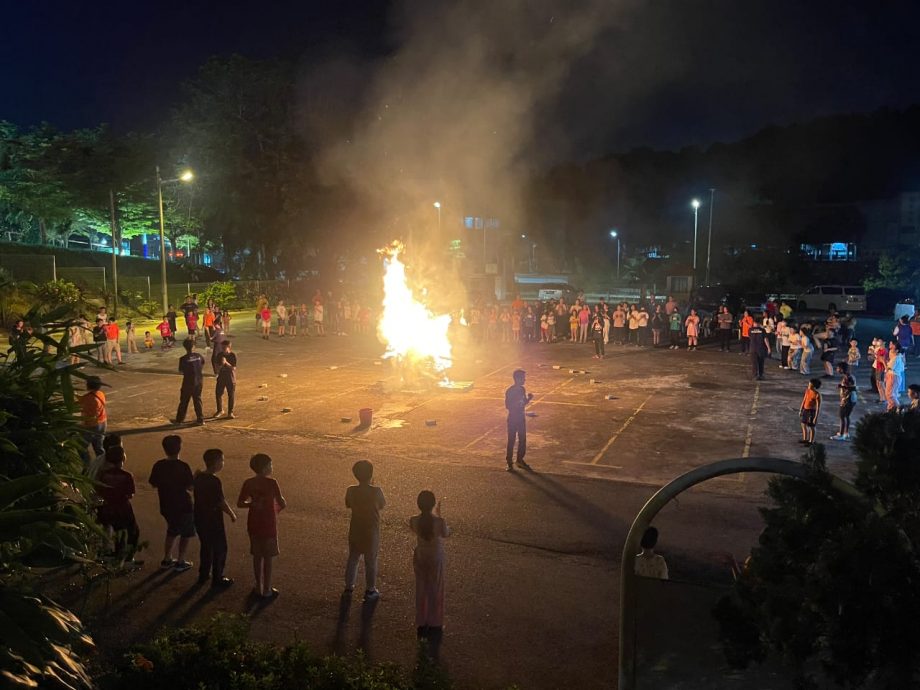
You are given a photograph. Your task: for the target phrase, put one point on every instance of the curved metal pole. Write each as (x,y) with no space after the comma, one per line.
(790,468)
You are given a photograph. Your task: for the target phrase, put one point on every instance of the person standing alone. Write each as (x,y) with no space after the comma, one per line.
(226,378)
(516,399)
(190,366)
(759,347)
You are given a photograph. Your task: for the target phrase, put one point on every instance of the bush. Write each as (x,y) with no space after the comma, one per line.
(223,294)
(219,655)
(44,518)
(56,293)
(830,588)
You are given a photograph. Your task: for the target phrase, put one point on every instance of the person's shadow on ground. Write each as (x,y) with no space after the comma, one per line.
(339,644)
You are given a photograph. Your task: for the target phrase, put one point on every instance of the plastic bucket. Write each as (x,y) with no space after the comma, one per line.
(366,415)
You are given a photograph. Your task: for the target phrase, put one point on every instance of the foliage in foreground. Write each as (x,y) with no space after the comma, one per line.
(219,655)
(44,516)
(831,588)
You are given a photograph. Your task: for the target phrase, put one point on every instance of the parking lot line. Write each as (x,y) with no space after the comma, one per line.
(750,429)
(629,420)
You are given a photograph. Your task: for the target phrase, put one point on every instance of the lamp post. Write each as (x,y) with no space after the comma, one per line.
(696,217)
(616,236)
(712,201)
(437,205)
(186,176)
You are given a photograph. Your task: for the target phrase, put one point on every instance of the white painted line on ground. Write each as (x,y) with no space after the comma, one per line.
(591,464)
(542,402)
(750,429)
(597,458)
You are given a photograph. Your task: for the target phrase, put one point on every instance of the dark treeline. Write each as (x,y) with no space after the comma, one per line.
(249,130)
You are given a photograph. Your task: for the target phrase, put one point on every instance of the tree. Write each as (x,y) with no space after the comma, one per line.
(831,586)
(235,127)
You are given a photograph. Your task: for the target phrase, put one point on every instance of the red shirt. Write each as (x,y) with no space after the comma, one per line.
(112,332)
(164,330)
(267,314)
(265,499)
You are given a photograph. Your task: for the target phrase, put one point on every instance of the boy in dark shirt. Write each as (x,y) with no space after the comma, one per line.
(171,318)
(116,489)
(172,479)
(225,365)
(516,399)
(190,366)
(262,496)
(210,507)
(365,502)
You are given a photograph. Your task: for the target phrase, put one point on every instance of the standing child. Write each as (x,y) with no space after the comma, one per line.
(674,321)
(191,320)
(573,327)
(693,329)
(365,502)
(130,338)
(428,564)
(93,412)
(266,316)
(210,507)
(516,326)
(853,355)
(116,489)
(148,340)
(808,412)
(172,478)
(543,328)
(847,390)
(262,496)
(318,318)
(550,326)
(292,321)
(281,311)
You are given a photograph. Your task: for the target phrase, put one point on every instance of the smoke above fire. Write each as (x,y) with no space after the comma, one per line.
(451,114)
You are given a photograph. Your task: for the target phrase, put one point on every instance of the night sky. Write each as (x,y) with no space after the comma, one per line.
(670,73)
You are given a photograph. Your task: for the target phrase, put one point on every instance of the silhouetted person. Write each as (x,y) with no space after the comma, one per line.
(516,399)
(190,366)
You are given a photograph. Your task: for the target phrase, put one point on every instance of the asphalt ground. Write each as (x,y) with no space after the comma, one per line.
(533,564)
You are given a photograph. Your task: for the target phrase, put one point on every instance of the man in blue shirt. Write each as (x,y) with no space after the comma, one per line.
(190,366)
(516,399)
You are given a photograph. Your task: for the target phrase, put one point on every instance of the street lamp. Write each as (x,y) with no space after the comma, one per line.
(185,176)
(437,205)
(615,235)
(696,216)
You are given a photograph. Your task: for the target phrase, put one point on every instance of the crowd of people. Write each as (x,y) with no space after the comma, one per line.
(193,505)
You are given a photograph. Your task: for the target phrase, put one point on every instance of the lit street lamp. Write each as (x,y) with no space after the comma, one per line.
(437,205)
(696,216)
(186,176)
(614,235)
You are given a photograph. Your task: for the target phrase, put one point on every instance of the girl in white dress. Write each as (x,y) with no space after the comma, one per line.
(428,563)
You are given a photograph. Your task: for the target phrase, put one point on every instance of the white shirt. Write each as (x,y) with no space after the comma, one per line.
(281,310)
(651,565)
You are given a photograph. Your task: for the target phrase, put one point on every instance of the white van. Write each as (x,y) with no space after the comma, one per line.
(837,297)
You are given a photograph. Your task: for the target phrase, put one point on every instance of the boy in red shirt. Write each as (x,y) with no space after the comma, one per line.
(112,341)
(262,496)
(165,333)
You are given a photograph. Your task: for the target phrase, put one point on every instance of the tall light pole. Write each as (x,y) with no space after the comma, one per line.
(712,201)
(616,236)
(437,205)
(186,176)
(696,217)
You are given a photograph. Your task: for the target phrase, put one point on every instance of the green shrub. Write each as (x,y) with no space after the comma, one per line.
(56,293)
(218,654)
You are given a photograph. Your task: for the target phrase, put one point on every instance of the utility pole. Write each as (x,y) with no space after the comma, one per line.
(712,199)
(115,247)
